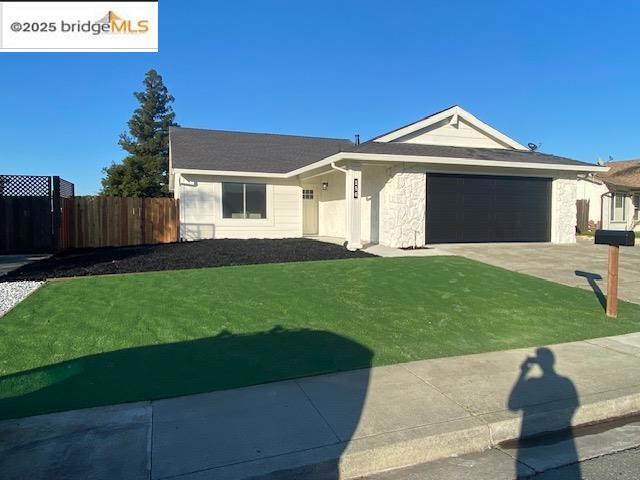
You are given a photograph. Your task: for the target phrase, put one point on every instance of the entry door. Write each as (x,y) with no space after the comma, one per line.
(310,210)
(482,208)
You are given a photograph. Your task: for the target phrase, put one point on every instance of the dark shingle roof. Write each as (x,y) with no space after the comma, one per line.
(497,154)
(251,152)
(194,148)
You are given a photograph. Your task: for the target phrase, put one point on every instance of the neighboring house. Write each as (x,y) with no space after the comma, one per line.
(613,196)
(448,177)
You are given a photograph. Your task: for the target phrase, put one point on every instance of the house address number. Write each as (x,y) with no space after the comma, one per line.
(355,188)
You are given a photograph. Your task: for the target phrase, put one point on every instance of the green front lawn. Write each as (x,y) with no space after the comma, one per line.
(104,340)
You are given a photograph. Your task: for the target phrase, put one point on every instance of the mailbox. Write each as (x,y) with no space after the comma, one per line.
(623,238)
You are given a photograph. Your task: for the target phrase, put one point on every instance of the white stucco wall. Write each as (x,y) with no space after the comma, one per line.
(331,205)
(331,208)
(563,209)
(403,215)
(201,209)
(372,201)
(588,189)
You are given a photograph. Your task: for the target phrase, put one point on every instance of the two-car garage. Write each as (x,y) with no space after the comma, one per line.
(482,208)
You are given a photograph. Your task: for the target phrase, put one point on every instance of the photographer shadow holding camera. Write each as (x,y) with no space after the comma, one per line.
(530,391)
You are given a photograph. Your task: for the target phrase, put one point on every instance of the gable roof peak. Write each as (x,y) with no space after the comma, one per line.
(454,111)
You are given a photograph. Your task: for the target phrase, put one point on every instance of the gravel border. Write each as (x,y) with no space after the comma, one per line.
(12,293)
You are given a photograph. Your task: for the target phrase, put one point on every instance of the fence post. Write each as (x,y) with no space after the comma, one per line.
(177,208)
(55,220)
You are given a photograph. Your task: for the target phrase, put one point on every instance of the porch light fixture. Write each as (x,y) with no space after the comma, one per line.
(325,185)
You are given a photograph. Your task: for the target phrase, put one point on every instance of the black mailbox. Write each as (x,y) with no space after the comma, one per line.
(624,238)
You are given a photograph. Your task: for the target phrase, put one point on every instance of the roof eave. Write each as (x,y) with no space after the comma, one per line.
(419,159)
(585,168)
(227,173)
(619,186)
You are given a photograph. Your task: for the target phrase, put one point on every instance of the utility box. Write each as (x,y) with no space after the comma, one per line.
(621,238)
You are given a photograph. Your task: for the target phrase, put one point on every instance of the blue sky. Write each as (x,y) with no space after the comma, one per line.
(565,74)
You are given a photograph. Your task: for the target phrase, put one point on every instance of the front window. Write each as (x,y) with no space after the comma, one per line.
(618,210)
(636,206)
(244,200)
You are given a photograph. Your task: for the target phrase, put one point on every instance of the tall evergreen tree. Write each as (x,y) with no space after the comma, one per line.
(145,170)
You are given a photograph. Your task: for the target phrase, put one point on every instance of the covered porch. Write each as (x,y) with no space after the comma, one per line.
(344,205)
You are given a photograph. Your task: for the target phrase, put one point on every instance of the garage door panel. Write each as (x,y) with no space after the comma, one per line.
(482,208)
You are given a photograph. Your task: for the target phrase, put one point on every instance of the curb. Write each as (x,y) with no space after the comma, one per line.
(389,451)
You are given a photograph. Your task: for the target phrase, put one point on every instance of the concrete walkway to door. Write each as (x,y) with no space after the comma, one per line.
(582,264)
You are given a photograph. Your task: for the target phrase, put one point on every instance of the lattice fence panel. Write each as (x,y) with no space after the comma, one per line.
(25,186)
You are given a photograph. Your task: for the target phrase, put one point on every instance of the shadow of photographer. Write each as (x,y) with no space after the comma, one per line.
(528,393)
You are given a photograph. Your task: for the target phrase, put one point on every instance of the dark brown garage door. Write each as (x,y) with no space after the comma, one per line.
(483,208)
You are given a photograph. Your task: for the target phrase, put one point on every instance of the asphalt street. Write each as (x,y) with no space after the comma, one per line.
(606,451)
(619,466)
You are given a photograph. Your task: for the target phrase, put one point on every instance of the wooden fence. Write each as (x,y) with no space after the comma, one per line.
(582,207)
(115,221)
(30,212)
(26,225)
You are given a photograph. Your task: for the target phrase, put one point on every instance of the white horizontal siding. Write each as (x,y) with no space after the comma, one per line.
(462,135)
(201,209)
(196,207)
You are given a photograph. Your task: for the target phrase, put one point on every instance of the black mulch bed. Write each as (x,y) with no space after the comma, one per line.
(176,256)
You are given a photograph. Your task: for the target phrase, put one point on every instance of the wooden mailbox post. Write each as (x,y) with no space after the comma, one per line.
(615,239)
(612,281)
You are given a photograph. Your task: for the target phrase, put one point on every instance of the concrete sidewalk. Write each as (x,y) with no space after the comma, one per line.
(333,426)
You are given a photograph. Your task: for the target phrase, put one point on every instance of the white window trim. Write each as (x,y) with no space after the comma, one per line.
(244,222)
(614,208)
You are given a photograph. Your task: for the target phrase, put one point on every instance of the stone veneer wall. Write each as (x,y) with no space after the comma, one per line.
(404,207)
(563,210)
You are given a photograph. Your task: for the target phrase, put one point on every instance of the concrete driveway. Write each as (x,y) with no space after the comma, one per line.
(11,262)
(581,265)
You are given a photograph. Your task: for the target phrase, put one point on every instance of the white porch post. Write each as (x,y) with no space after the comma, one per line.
(353,189)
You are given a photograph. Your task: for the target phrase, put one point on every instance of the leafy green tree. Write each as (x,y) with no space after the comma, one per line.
(145,170)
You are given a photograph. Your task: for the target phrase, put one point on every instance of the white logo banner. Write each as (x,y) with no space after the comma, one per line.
(79,26)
